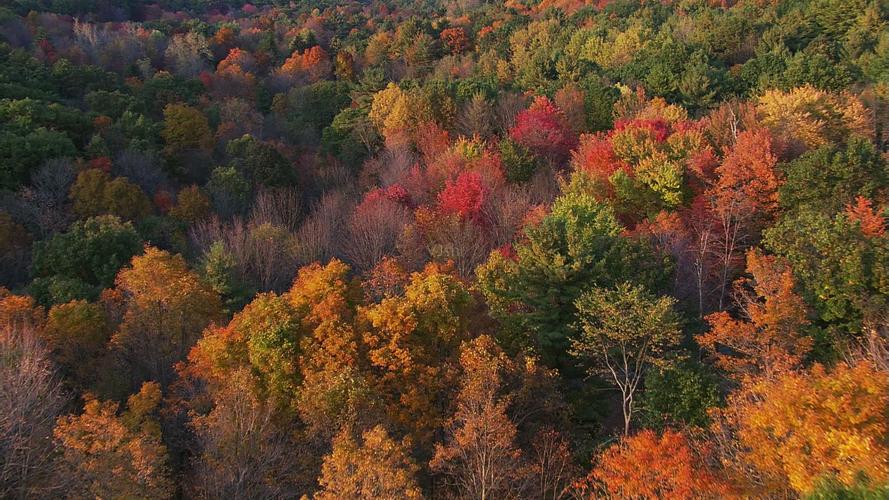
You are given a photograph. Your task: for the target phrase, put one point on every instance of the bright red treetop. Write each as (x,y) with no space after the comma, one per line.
(542,129)
(595,156)
(465,196)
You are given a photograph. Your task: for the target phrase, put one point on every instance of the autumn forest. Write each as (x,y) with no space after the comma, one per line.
(444,249)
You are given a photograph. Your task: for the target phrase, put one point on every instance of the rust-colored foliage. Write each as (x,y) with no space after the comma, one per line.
(106,455)
(652,466)
(480,459)
(769,337)
(313,64)
(595,156)
(871,220)
(19,311)
(747,175)
(455,39)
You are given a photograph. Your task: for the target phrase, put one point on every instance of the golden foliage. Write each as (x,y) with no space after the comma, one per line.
(813,117)
(802,427)
(378,468)
(104,455)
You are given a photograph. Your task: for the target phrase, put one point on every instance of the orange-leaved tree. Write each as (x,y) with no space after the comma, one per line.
(167,308)
(333,392)
(670,466)
(413,343)
(803,427)
(480,458)
(768,339)
(106,455)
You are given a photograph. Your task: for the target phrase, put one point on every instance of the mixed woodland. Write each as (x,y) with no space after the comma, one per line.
(395,249)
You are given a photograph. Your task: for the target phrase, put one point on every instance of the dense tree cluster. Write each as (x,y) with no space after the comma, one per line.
(444,249)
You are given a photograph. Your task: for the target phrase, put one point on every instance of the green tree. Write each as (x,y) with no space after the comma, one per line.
(90,252)
(518,163)
(219,269)
(228,190)
(22,153)
(844,273)
(351,136)
(260,162)
(270,328)
(832,176)
(678,395)
(577,246)
(624,331)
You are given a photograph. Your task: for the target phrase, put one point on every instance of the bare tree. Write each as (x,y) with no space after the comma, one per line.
(187,54)
(506,210)
(31,398)
(318,237)
(143,169)
(544,186)
(475,117)
(264,253)
(874,345)
(242,452)
(508,107)
(53,179)
(278,206)
(396,162)
(552,470)
(463,242)
(372,231)
(43,206)
(270,259)
(731,240)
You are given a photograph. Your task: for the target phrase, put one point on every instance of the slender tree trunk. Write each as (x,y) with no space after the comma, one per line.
(628,411)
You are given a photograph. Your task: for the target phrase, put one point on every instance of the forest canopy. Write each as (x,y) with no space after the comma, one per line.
(444,249)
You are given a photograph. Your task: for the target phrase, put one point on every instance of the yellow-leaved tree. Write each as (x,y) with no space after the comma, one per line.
(813,117)
(106,455)
(378,467)
(805,427)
